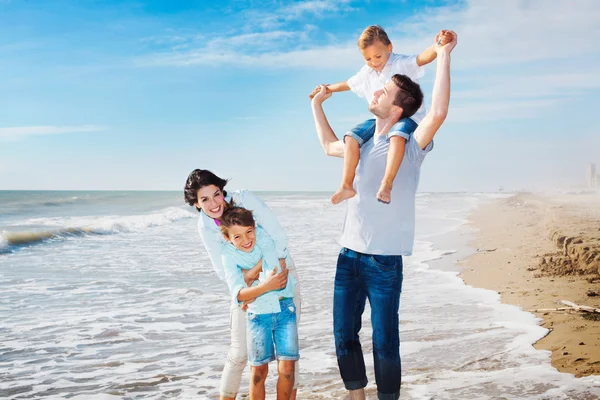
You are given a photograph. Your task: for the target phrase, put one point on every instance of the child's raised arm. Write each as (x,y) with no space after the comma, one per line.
(336,87)
(429,54)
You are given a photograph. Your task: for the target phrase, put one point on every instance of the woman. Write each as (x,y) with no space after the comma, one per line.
(206,191)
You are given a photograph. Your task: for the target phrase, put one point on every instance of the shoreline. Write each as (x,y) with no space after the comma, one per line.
(535,250)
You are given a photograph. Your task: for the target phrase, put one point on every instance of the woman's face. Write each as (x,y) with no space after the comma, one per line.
(211,201)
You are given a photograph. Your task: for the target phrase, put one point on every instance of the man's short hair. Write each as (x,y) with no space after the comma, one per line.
(409,97)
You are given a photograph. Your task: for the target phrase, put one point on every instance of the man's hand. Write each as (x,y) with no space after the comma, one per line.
(322,95)
(317,90)
(445,41)
(276,281)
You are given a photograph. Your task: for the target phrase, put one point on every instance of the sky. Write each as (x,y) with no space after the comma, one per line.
(133,95)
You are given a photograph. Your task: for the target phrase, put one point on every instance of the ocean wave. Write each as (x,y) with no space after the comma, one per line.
(81,226)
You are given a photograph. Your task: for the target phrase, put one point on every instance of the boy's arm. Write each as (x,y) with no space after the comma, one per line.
(238,288)
(336,87)
(331,144)
(427,56)
(274,281)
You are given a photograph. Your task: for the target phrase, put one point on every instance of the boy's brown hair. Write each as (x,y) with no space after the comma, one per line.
(236,216)
(372,34)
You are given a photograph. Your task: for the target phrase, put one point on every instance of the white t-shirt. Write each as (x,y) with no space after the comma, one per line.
(372,227)
(367,81)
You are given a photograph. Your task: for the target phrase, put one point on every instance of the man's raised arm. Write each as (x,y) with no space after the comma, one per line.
(441,92)
(331,144)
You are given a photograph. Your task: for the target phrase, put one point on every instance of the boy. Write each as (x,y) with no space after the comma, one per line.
(382,64)
(271,326)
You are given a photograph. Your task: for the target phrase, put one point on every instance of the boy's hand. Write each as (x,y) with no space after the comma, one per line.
(276,281)
(317,90)
(322,95)
(445,41)
(282,263)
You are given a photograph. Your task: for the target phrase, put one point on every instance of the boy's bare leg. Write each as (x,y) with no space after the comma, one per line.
(351,158)
(258,376)
(285,382)
(394,159)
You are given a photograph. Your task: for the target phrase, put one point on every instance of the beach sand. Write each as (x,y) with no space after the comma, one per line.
(536,250)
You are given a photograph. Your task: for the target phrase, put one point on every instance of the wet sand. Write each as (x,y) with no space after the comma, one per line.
(536,250)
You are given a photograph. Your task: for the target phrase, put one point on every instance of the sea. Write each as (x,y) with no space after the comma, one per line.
(110,295)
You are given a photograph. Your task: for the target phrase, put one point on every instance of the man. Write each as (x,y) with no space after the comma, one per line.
(376,235)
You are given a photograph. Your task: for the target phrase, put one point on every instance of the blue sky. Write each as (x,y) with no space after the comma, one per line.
(134,95)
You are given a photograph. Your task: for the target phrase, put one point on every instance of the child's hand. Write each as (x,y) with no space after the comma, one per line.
(322,95)
(317,90)
(445,41)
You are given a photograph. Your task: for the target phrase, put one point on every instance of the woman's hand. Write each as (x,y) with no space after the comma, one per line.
(245,304)
(276,281)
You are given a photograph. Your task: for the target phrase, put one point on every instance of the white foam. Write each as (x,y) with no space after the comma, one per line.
(114,223)
(3,243)
(126,311)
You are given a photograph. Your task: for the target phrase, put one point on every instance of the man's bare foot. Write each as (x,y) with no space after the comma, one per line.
(343,193)
(385,193)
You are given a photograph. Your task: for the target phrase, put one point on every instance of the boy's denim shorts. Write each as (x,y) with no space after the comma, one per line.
(364,131)
(273,336)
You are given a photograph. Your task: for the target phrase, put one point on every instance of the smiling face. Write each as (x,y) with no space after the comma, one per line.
(383,105)
(242,237)
(377,55)
(211,201)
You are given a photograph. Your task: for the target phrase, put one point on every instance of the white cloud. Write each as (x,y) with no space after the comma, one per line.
(278,17)
(21,132)
(515,49)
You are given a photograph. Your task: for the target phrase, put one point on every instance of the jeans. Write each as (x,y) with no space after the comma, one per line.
(273,336)
(364,131)
(378,278)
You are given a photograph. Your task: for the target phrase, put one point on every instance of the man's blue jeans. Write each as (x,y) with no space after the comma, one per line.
(378,278)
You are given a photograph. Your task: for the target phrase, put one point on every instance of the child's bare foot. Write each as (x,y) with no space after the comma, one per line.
(343,193)
(384,194)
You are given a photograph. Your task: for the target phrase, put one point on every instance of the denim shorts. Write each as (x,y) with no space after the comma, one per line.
(273,336)
(364,131)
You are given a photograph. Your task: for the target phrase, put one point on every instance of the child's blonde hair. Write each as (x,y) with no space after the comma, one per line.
(372,34)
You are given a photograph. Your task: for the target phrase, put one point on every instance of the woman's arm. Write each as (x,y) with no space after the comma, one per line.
(274,281)
(212,244)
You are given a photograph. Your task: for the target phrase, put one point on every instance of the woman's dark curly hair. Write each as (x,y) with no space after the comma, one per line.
(198,179)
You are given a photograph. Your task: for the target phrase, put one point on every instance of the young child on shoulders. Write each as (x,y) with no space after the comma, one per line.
(381,64)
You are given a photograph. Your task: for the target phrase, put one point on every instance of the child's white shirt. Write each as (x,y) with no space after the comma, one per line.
(367,81)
